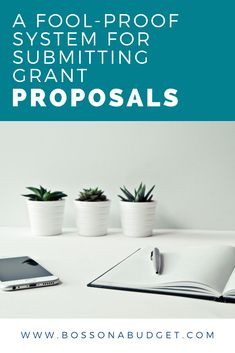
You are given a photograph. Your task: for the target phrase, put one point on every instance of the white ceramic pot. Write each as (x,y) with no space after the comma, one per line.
(92,217)
(137,218)
(46,217)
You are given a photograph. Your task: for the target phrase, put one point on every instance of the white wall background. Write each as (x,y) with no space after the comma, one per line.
(192,165)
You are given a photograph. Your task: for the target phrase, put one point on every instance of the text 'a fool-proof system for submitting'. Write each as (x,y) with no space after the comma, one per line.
(58,50)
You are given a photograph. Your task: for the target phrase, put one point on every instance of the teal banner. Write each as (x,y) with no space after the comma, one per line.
(118,60)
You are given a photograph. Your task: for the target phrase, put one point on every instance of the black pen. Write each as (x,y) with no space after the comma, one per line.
(156,257)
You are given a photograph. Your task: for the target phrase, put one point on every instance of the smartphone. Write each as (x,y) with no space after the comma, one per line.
(24,273)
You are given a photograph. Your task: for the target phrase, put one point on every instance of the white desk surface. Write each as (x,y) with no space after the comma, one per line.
(78,260)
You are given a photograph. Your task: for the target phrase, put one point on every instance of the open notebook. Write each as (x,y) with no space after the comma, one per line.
(203,272)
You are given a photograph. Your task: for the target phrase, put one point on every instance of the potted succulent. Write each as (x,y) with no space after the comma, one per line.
(137,211)
(92,210)
(46,210)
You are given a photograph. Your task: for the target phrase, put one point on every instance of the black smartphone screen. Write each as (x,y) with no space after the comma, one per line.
(16,268)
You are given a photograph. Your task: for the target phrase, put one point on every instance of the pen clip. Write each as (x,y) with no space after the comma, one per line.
(159,267)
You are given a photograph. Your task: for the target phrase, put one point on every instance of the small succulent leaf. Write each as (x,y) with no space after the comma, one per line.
(127,193)
(35,190)
(56,195)
(129,196)
(139,188)
(149,192)
(63,194)
(150,198)
(46,196)
(42,191)
(142,193)
(30,195)
(122,198)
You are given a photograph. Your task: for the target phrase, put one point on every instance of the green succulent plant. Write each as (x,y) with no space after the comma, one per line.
(92,194)
(42,194)
(139,195)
